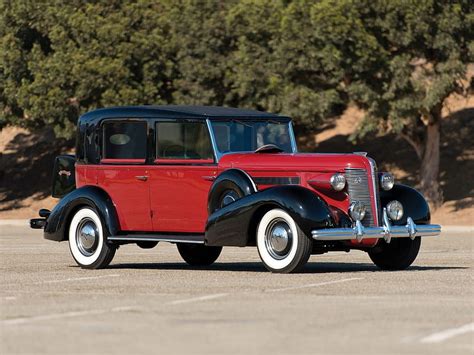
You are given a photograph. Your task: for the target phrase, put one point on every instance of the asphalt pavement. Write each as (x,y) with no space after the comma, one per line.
(150,301)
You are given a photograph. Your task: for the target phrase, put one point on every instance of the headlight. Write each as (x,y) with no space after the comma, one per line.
(387,181)
(395,210)
(338,181)
(357,210)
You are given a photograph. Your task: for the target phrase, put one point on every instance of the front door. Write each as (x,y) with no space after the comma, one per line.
(181,177)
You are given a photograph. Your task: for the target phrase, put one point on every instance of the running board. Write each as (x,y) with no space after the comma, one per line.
(172,238)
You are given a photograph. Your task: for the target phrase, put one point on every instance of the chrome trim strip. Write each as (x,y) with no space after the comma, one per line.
(294,145)
(255,189)
(387,231)
(217,155)
(376,192)
(196,239)
(277,180)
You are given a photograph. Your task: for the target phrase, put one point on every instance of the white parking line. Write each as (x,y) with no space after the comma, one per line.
(77,279)
(313,285)
(448,333)
(197,299)
(54,316)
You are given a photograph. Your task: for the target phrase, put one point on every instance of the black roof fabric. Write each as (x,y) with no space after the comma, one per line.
(175,111)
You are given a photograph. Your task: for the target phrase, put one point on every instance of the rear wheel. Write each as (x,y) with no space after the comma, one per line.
(87,240)
(283,247)
(198,254)
(399,254)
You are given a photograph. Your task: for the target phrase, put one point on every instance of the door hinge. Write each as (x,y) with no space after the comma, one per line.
(151,213)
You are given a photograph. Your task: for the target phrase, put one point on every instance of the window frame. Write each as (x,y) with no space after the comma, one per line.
(122,161)
(182,161)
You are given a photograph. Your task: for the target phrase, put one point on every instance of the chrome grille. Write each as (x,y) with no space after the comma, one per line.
(359,190)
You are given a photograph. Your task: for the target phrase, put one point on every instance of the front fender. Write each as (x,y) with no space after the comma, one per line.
(414,204)
(236,223)
(92,196)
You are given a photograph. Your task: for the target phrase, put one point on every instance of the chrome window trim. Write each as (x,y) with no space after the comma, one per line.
(294,146)
(217,154)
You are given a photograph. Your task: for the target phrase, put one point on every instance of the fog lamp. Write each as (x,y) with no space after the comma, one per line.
(338,181)
(395,210)
(387,181)
(357,210)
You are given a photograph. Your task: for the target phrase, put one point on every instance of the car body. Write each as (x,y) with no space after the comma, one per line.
(206,177)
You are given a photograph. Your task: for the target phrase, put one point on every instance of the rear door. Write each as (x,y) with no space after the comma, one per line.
(123,174)
(182,176)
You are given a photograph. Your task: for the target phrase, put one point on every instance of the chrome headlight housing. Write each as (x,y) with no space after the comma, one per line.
(357,210)
(395,210)
(338,181)
(387,181)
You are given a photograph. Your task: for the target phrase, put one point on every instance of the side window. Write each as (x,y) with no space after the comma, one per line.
(183,140)
(125,140)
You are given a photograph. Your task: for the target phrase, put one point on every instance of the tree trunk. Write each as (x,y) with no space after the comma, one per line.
(429,172)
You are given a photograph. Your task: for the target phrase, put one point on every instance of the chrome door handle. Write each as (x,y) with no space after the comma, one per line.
(141,177)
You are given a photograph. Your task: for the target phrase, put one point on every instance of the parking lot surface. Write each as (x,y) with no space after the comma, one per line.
(149,301)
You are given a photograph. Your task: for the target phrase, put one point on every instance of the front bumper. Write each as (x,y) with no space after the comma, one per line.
(386,231)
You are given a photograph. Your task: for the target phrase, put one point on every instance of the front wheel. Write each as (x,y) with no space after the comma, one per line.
(399,254)
(87,241)
(283,247)
(198,255)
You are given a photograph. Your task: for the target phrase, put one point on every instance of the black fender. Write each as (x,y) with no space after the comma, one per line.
(56,227)
(227,180)
(236,223)
(414,204)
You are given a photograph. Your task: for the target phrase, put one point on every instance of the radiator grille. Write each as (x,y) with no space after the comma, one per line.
(359,190)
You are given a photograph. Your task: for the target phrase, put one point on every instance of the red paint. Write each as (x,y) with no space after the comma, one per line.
(179,197)
(130,195)
(174,197)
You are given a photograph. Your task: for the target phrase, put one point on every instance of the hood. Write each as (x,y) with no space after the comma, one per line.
(314,162)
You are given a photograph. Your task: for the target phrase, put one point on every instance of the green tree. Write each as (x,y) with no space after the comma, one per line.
(60,59)
(424,48)
(397,60)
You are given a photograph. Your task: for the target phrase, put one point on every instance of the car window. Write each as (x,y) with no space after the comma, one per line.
(183,140)
(125,140)
(241,136)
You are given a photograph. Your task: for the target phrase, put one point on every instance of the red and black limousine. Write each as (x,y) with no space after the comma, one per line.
(209,177)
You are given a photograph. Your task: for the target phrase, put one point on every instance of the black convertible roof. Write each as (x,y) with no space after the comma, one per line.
(175,111)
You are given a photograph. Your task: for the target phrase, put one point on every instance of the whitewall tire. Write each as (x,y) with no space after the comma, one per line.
(87,240)
(281,244)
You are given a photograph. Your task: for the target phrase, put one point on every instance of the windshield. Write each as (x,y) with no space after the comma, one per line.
(247,136)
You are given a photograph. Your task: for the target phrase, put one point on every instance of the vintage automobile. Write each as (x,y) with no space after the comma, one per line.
(207,177)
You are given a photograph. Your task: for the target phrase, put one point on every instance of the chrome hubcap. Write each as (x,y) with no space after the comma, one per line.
(278,238)
(87,237)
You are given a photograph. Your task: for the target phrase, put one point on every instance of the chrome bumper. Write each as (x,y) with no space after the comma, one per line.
(387,231)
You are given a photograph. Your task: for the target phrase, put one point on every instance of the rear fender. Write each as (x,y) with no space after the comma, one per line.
(236,223)
(92,196)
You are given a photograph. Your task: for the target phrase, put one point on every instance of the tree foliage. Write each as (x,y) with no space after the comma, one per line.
(398,60)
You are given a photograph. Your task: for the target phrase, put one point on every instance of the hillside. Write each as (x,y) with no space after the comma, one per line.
(26,161)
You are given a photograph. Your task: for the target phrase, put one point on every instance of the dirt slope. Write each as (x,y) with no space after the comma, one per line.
(26,161)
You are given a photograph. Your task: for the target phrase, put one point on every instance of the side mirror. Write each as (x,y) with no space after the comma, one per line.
(64,177)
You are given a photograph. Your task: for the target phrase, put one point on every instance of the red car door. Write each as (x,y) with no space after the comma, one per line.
(123,173)
(129,189)
(181,177)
